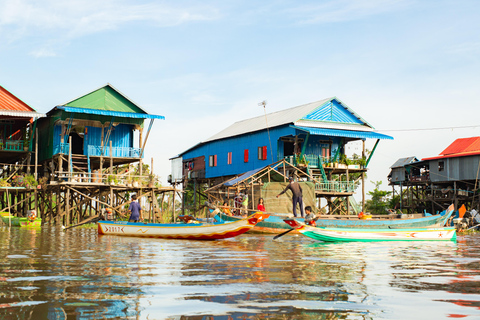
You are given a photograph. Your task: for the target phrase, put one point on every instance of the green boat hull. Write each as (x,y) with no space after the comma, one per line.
(20,221)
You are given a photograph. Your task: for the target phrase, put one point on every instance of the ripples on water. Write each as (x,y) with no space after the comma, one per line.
(52,274)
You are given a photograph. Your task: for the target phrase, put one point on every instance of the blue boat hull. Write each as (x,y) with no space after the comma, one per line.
(275,224)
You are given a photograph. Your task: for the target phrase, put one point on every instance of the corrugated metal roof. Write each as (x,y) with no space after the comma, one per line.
(334,111)
(345,133)
(243,177)
(403,161)
(106,97)
(460,148)
(111,113)
(456,155)
(462,145)
(279,118)
(21,114)
(11,103)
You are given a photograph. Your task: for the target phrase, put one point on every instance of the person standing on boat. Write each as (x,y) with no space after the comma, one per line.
(135,210)
(297,197)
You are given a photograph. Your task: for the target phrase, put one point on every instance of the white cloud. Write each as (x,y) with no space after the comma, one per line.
(65,20)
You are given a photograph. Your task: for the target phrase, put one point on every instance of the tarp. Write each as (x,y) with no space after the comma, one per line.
(283,204)
(344,133)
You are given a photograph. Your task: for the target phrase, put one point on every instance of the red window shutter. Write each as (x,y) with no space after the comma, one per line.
(264,153)
(215,160)
(245,155)
(229,158)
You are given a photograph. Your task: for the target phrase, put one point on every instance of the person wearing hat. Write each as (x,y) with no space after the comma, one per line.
(297,195)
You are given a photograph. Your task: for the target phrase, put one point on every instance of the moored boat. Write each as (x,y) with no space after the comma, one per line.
(192,231)
(275,223)
(365,234)
(31,221)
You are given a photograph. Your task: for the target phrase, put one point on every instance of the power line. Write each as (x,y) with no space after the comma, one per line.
(427,129)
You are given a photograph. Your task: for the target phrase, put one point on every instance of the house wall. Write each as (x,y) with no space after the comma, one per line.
(455,169)
(398,174)
(236,145)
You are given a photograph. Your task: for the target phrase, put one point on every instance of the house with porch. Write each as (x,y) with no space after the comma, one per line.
(92,132)
(312,136)
(433,183)
(16,128)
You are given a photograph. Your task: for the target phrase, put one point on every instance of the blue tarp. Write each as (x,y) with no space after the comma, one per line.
(345,133)
(111,113)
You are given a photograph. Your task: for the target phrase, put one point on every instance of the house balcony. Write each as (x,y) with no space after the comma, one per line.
(335,187)
(96,151)
(11,145)
(315,161)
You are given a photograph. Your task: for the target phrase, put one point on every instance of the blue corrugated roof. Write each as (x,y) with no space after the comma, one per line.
(111,113)
(345,133)
(243,177)
(335,112)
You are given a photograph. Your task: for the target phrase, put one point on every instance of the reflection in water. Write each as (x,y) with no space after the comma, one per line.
(51,274)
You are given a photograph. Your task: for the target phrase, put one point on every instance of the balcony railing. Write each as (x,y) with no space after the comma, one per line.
(314,161)
(336,186)
(60,148)
(96,151)
(11,145)
(118,152)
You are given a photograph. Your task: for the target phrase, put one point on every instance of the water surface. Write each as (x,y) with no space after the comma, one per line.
(76,274)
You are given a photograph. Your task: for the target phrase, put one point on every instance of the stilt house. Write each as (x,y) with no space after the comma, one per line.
(311,136)
(96,127)
(16,120)
(434,183)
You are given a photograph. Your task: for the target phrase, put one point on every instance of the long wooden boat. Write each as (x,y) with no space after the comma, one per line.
(364,235)
(274,223)
(20,221)
(192,231)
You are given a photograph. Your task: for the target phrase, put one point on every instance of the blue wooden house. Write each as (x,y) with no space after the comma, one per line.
(98,125)
(315,133)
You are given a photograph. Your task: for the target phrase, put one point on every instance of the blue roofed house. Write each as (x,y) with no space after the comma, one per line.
(315,134)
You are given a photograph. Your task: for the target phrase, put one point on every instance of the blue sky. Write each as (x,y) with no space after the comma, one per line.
(400,64)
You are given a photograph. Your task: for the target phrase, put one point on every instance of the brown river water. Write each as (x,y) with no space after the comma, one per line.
(76,274)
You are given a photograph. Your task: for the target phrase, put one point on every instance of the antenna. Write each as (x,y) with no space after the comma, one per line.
(264,104)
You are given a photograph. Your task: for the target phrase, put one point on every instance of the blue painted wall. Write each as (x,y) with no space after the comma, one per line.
(237,145)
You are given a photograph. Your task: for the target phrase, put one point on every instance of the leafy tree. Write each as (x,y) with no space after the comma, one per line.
(380,200)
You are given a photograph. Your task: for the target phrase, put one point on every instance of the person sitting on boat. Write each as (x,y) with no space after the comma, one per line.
(261,206)
(296,197)
(226,209)
(310,216)
(135,210)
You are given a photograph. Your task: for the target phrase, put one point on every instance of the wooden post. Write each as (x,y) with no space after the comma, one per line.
(363,179)
(347,198)
(111,158)
(36,161)
(173,205)
(69,159)
(101,159)
(67,207)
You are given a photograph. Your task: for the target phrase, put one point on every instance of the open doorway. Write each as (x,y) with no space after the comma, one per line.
(77,143)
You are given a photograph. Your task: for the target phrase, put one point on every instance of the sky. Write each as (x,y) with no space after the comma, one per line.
(410,68)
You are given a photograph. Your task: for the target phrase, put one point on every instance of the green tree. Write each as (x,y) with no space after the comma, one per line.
(380,200)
